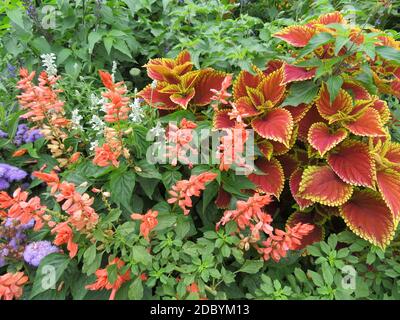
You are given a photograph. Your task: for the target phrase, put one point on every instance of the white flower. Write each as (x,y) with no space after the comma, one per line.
(49,63)
(93,145)
(113,70)
(157,131)
(136,114)
(154,84)
(76,119)
(97,123)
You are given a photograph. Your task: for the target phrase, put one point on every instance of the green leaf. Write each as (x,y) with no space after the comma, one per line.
(182,226)
(316,278)
(108,44)
(112,273)
(112,216)
(141,255)
(93,38)
(301,92)
(389,53)
(121,46)
(251,266)
(136,290)
(50,270)
(41,45)
(122,185)
(315,42)
(170,177)
(63,55)
(327,274)
(334,84)
(89,255)
(209,193)
(16,16)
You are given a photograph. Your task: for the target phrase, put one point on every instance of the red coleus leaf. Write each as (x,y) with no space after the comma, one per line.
(272,65)
(316,235)
(342,105)
(246,108)
(311,117)
(182,100)
(273,180)
(294,184)
(322,185)
(207,80)
(297,36)
(222,120)
(389,185)
(323,139)
(289,164)
(157,99)
(358,91)
(266,148)
(367,215)
(272,87)
(392,153)
(395,87)
(299,111)
(368,124)
(244,80)
(223,199)
(332,17)
(353,163)
(280,148)
(383,110)
(294,73)
(276,125)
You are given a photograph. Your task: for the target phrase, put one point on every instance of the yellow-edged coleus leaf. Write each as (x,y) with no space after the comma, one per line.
(321,184)
(294,184)
(222,120)
(388,181)
(246,108)
(382,107)
(299,111)
(157,99)
(276,124)
(357,91)
(256,97)
(392,154)
(316,235)
(331,17)
(272,87)
(208,79)
(266,148)
(280,148)
(367,215)
(293,73)
(353,162)
(323,139)
(273,180)
(338,109)
(289,164)
(368,124)
(312,116)
(246,79)
(297,36)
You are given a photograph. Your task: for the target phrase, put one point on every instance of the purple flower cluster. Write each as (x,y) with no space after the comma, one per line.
(3,134)
(13,239)
(9,174)
(36,251)
(30,8)
(26,135)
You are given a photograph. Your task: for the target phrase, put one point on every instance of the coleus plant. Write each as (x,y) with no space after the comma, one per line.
(321,124)
(177,86)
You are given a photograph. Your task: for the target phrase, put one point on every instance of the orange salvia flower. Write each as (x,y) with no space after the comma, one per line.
(19,153)
(149,222)
(106,155)
(11,285)
(117,109)
(103,282)
(183,190)
(65,236)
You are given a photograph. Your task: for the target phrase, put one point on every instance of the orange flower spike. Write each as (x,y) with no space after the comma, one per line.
(64,235)
(117,109)
(105,156)
(19,153)
(11,285)
(148,222)
(222,95)
(51,179)
(103,282)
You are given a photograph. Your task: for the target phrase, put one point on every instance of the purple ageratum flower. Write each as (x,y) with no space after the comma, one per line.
(4,184)
(14,223)
(19,135)
(32,135)
(11,173)
(3,134)
(36,251)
